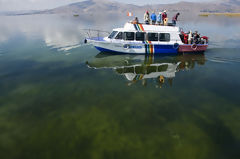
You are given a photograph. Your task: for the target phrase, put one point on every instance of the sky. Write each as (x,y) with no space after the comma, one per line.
(13,5)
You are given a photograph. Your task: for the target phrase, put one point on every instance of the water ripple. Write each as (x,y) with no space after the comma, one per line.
(224,60)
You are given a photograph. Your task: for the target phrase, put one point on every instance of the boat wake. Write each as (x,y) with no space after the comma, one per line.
(224,60)
(1,52)
(223,55)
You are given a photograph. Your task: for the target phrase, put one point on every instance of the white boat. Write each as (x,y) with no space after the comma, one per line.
(147,39)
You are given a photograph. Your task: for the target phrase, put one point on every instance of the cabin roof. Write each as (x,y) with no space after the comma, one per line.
(148,28)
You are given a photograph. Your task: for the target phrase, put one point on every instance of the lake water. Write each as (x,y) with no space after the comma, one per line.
(60,98)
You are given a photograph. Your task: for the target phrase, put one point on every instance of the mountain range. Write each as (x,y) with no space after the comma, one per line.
(110,9)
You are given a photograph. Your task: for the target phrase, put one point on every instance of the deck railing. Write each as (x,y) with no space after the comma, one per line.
(94,33)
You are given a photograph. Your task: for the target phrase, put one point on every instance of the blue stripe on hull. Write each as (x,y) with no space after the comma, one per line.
(158,49)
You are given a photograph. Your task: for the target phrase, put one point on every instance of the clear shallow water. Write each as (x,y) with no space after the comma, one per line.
(62,99)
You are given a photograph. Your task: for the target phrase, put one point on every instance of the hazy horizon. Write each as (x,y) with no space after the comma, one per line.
(16,5)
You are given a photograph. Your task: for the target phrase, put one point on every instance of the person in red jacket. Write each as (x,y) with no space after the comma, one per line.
(174,19)
(164,15)
(185,38)
(205,38)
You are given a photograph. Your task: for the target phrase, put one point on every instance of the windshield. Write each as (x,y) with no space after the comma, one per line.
(112,34)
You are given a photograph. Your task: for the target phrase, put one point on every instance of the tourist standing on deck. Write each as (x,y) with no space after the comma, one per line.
(196,37)
(153,18)
(164,15)
(146,18)
(174,19)
(159,18)
(190,37)
(135,21)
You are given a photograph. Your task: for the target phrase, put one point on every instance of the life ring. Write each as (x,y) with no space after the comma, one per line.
(126,46)
(175,46)
(194,46)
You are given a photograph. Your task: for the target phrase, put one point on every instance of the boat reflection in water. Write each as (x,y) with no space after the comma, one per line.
(161,69)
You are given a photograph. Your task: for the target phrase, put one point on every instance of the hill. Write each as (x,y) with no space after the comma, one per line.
(98,9)
(106,7)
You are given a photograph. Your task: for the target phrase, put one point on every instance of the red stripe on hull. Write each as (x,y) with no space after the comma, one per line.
(191,48)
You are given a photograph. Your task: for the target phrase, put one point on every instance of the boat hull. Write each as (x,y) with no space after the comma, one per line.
(145,48)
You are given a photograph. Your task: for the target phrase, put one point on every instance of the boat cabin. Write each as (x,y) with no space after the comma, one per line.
(144,33)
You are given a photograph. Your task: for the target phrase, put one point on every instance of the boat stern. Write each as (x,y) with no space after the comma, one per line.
(193,48)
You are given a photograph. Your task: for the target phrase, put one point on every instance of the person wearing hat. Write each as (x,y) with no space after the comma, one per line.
(159,18)
(146,17)
(164,15)
(153,18)
(174,19)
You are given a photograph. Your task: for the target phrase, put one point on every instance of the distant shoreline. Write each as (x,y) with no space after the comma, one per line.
(220,14)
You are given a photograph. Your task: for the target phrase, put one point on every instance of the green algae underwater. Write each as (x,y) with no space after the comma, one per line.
(62,99)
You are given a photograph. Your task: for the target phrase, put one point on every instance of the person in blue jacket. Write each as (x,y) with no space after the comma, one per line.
(159,18)
(153,18)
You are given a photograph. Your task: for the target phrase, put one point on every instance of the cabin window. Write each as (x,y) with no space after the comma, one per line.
(164,37)
(129,35)
(119,35)
(112,34)
(140,36)
(153,36)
